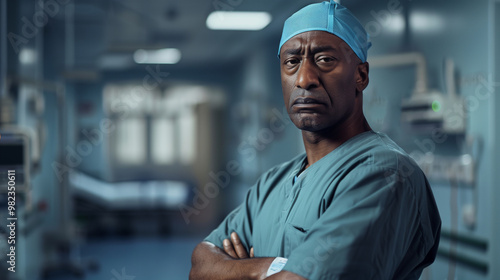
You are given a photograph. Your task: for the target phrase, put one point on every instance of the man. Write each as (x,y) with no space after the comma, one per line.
(355,206)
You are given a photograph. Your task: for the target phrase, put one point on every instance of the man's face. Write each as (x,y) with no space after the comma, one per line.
(322,80)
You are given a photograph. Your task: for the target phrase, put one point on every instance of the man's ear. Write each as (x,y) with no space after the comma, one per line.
(362,77)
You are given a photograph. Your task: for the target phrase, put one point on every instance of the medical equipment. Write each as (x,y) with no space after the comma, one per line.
(14,159)
(443,111)
(428,109)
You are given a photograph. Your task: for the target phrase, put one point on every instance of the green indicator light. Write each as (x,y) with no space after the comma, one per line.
(436,106)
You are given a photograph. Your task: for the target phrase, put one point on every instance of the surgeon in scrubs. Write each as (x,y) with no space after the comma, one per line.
(355,205)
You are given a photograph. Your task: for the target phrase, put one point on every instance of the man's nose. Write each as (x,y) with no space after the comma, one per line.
(307,76)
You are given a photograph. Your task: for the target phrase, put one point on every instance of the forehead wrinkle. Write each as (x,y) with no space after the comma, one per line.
(315,41)
(294,46)
(322,48)
(312,47)
(292,51)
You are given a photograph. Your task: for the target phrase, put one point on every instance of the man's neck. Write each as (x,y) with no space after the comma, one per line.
(319,144)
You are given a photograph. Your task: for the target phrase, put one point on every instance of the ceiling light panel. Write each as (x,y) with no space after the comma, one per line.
(227,20)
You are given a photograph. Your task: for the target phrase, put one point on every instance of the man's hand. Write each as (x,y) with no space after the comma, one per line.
(234,248)
(210,262)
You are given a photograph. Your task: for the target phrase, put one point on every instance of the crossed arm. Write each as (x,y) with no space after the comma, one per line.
(211,262)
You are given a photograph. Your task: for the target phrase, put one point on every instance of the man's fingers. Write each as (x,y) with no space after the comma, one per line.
(234,248)
(238,247)
(229,249)
(251,253)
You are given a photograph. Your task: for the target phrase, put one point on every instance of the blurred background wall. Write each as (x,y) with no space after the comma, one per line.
(134,127)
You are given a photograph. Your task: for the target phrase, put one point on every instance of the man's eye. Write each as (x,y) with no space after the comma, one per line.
(325,59)
(291,62)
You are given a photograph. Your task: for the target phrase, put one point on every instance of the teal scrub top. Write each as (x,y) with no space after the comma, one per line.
(363,211)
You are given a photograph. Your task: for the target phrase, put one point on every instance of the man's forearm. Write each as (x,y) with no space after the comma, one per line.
(210,262)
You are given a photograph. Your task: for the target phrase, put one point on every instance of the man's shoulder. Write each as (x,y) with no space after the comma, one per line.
(384,148)
(377,150)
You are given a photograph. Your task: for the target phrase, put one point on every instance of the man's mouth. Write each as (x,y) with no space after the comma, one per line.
(306,103)
(306,100)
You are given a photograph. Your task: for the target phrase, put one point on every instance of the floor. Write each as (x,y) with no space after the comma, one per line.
(136,258)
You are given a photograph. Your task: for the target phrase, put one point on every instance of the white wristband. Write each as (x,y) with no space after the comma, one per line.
(276,266)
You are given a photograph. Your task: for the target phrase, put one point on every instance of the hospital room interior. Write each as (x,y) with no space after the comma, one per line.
(134,127)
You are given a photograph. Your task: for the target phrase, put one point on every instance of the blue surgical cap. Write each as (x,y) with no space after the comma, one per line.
(332,18)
